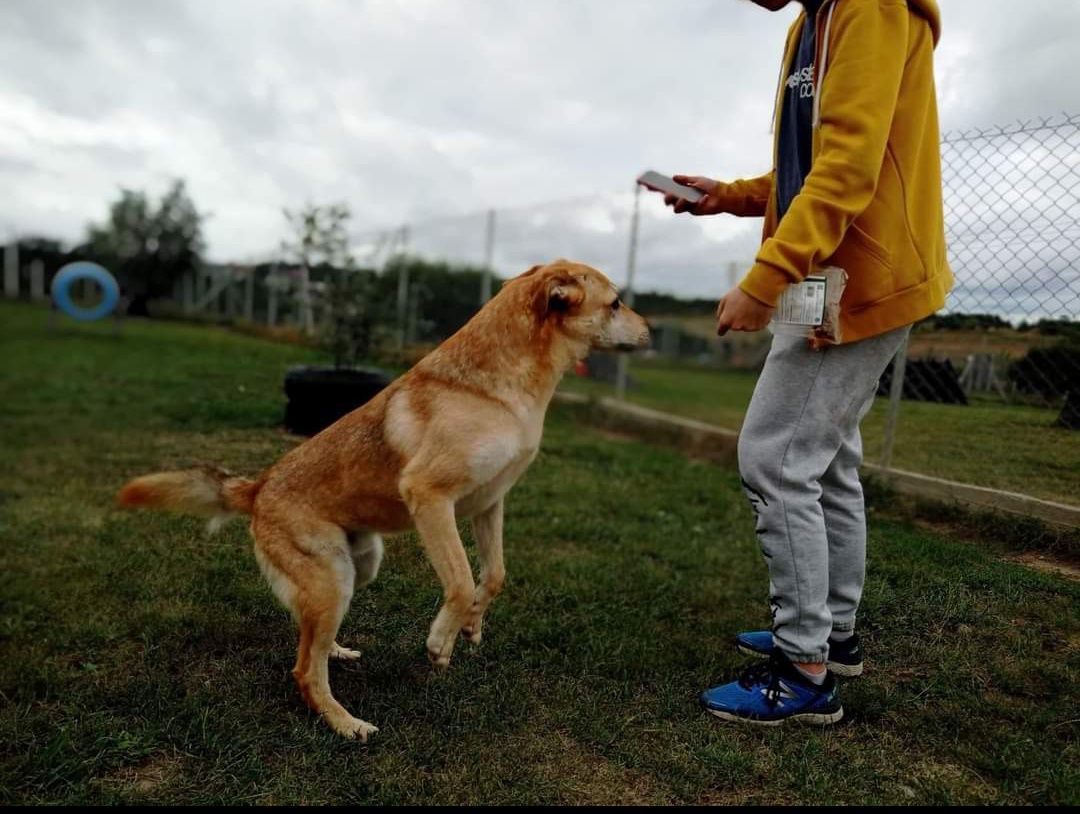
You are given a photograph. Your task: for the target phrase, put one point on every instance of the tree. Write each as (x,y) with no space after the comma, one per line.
(148,248)
(320,243)
(319,239)
(352,319)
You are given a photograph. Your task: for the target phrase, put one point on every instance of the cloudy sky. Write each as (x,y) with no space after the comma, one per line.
(428,112)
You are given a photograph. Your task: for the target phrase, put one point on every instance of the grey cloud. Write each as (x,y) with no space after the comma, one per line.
(420,110)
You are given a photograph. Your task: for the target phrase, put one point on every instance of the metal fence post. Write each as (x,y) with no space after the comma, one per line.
(249,294)
(623,370)
(896,391)
(489,257)
(403,288)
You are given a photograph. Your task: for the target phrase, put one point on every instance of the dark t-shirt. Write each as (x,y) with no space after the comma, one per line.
(796,116)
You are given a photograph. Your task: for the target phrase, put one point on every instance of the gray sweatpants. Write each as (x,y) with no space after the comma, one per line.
(799,456)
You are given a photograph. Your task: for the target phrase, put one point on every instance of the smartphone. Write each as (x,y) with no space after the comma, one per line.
(661,183)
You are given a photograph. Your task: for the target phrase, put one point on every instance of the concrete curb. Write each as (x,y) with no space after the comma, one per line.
(720,445)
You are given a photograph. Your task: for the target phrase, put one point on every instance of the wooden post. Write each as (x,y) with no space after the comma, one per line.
(202,288)
(271,300)
(232,307)
(11,269)
(37,280)
(219,298)
(187,288)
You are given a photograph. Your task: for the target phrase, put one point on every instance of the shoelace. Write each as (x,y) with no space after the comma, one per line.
(763,673)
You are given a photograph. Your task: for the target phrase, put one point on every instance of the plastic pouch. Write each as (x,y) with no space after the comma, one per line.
(812,308)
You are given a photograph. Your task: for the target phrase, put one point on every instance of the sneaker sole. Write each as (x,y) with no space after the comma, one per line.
(834,667)
(844,670)
(810,718)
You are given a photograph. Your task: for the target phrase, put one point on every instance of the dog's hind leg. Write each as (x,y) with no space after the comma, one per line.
(366,549)
(488,530)
(311,569)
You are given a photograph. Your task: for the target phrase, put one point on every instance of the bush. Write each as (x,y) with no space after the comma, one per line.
(1048,372)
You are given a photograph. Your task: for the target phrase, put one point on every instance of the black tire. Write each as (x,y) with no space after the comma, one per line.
(317,397)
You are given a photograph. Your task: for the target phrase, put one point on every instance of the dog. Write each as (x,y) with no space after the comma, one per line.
(445,441)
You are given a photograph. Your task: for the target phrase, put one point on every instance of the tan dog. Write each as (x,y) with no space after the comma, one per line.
(445,441)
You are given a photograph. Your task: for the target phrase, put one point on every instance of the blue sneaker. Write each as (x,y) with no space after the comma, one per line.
(769,694)
(845,658)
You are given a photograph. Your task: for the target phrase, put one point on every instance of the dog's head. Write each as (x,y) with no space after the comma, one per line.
(584,305)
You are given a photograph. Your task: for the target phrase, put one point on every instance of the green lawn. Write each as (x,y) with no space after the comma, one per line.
(143,662)
(987,443)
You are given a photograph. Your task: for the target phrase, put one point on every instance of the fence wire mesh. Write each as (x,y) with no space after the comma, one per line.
(1007,344)
(1012,213)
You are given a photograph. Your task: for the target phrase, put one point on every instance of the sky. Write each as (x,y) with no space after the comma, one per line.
(431,112)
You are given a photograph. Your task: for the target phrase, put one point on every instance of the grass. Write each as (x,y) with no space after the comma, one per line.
(145,663)
(987,443)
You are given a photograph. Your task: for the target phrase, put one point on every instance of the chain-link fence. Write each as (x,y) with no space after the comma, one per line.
(1009,336)
(1012,211)
(1007,345)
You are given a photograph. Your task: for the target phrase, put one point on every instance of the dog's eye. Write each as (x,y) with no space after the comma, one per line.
(615,305)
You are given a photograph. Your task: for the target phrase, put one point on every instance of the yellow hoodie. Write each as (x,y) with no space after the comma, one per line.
(871,203)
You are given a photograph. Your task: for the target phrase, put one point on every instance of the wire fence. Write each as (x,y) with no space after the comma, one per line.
(1012,212)
(1010,333)
(1011,327)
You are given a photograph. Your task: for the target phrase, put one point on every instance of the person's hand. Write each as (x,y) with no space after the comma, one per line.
(738,311)
(709,205)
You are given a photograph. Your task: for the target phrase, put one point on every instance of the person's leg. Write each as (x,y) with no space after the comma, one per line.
(845,526)
(806,406)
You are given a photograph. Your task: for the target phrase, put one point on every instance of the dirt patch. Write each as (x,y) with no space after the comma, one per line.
(1048,564)
(148,776)
(1060,565)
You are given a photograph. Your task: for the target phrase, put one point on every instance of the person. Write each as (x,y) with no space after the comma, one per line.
(856,184)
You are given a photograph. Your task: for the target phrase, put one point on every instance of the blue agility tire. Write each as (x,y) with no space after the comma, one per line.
(84,270)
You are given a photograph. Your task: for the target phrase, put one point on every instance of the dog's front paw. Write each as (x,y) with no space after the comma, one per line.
(439,648)
(474,628)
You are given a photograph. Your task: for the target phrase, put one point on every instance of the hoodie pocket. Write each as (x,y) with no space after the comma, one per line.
(869,267)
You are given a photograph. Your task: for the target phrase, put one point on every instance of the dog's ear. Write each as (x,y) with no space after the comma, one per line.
(555,294)
(564,293)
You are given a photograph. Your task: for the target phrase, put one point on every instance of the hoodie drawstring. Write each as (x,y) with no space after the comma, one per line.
(820,70)
(779,93)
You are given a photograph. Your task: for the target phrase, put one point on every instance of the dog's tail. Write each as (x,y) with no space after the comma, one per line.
(207,492)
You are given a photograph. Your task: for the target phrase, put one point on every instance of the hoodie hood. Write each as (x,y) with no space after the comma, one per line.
(929,9)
